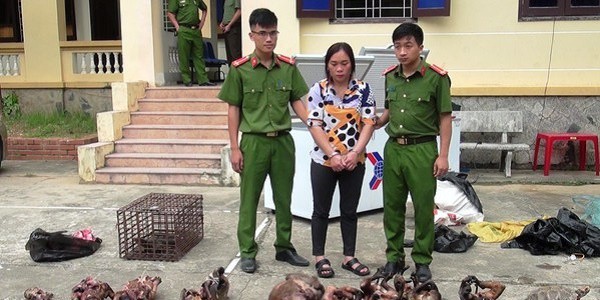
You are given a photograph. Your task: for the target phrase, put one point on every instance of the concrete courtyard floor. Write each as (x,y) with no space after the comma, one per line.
(48,195)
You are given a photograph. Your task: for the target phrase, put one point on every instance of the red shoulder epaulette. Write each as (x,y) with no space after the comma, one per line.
(389,69)
(438,70)
(240,61)
(286,59)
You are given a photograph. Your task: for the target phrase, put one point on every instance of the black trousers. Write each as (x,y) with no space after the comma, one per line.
(324,180)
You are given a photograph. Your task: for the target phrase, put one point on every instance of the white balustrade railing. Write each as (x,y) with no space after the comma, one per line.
(98,62)
(173,60)
(10,64)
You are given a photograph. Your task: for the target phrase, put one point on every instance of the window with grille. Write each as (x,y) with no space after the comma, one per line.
(372,9)
(544,9)
(167,25)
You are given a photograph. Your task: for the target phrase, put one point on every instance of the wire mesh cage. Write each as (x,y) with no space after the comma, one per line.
(160,226)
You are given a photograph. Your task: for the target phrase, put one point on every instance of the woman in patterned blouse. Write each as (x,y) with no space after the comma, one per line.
(341,121)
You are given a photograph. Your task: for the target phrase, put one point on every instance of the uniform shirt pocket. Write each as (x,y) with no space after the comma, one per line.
(391,97)
(422,103)
(283,90)
(252,95)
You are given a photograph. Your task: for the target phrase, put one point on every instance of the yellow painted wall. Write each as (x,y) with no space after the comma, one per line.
(482,44)
(138,41)
(487,50)
(41,35)
(289,26)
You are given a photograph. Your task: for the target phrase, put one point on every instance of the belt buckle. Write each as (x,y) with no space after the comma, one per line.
(402,141)
(272,134)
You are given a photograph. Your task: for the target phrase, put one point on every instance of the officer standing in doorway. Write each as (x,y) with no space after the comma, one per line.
(184,15)
(232,27)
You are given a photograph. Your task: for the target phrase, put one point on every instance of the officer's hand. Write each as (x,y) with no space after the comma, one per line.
(378,123)
(440,167)
(237,160)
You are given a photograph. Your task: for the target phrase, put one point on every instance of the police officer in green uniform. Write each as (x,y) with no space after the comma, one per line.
(185,17)
(258,89)
(232,28)
(418,108)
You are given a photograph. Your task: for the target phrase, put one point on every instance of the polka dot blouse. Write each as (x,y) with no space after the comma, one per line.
(341,117)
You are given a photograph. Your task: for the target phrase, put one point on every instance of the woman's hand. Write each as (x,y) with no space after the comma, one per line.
(350,160)
(336,162)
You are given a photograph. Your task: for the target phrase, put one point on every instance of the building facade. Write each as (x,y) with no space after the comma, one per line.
(536,56)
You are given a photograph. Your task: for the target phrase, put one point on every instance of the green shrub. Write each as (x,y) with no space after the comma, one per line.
(10,106)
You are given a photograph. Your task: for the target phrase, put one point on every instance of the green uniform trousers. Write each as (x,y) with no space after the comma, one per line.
(273,156)
(190,44)
(409,168)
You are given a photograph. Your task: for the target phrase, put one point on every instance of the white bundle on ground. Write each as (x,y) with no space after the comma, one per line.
(453,205)
(450,199)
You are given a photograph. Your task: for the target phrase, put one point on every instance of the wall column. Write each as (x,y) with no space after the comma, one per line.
(43,29)
(138,33)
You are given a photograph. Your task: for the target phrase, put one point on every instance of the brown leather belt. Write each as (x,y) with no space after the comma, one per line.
(413,141)
(270,134)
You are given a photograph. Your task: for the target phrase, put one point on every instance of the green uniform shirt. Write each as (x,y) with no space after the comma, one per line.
(415,103)
(186,11)
(263,94)
(229,9)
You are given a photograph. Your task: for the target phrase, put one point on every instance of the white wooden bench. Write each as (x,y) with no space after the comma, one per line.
(503,122)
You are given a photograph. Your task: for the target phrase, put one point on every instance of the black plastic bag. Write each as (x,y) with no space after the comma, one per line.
(448,240)
(46,246)
(565,233)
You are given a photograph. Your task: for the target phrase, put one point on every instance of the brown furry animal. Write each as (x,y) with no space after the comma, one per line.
(91,289)
(216,285)
(298,287)
(141,288)
(35,293)
(490,290)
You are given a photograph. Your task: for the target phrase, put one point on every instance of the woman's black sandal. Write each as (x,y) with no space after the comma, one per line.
(323,271)
(360,270)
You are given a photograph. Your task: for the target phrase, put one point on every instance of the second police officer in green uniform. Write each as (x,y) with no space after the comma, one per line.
(232,28)
(258,89)
(418,108)
(184,15)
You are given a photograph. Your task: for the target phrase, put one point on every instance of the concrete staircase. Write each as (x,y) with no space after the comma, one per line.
(175,137)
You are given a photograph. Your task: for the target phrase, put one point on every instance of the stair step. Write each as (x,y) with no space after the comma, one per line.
(175,131)
(182,104)
(179,117)
(175,137)
(169,146)
(174,176)
(181,92)
(164,160)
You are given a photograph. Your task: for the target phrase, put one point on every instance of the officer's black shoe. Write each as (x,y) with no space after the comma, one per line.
(208,83)
(188,84)
(423,273)
(392,268)
(292,258)
(248,265)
